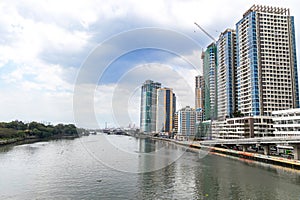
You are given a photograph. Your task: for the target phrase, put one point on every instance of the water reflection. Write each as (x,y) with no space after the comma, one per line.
(66,170)
(147,145)
(214,177)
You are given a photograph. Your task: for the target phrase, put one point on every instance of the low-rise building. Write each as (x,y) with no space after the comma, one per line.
(286,122)
(243,127)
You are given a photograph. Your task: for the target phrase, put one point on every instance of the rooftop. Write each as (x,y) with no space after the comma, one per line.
(268,9)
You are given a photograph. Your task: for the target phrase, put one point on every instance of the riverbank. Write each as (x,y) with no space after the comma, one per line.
(18,141)
(290,163)
(18,132)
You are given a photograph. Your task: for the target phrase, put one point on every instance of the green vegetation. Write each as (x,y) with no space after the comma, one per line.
(238,114)
(19,129)
(10,133)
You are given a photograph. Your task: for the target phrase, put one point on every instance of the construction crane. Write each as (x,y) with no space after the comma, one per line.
(204,31)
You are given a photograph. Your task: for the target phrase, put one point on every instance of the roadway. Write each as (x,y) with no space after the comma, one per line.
(265,142)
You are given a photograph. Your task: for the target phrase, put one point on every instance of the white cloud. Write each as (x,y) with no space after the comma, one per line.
(43,42)
(119,103)
(40,77)
(16,103)
(24,37)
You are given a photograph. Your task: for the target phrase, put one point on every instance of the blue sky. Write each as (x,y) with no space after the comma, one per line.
(45,44)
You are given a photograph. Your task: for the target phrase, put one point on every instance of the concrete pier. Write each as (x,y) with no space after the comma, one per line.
(245,147)
(296,152)
(266,149)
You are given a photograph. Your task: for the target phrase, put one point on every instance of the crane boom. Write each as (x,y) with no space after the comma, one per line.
(204,31)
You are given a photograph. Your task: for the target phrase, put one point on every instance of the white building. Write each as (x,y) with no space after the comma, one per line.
(186,120)
(286,122)
(226,60)
(266,73)
(267,77)
(243,127)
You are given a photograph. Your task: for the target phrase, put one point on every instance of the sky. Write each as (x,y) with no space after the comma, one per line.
(83,62)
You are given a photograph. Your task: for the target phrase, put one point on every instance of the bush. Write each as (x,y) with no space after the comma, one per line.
(6,133)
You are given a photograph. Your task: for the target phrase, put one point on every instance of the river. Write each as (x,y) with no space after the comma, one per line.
(121,167)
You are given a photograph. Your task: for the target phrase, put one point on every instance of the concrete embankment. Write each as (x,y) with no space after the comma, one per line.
(294,164)
(291,163)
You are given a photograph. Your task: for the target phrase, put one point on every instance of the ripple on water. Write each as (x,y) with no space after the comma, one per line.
(64,169)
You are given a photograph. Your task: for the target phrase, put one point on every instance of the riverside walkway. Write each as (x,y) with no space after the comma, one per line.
(209,145)
(265,142)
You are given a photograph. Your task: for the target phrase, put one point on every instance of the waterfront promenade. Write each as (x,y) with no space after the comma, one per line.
(210,146)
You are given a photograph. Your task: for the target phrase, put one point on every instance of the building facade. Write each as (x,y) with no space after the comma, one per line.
(243,127)
(267,77)
(186,122)
(226,59)
(148,106)
(199,97)
(209,58)
(166,100)
(286,122)
(199,92)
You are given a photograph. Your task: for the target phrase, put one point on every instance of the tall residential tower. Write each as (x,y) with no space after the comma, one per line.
(266,73)
(226,60)
(267,77)
(199,97)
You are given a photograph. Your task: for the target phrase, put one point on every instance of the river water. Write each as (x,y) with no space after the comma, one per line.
(130,168)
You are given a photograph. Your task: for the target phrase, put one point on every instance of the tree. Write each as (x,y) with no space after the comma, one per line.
(238,113)
(16,125)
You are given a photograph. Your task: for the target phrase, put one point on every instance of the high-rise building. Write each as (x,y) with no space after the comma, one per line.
(267,77)
(174,109)
(199,92)
(148,106)
(266,73)
(175,122)
(226,59)
(165,110)
(209,58)
(186,122)
(199,97)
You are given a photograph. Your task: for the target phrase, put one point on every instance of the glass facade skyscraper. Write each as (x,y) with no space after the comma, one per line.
(148,106)
(209,58)
(166,102)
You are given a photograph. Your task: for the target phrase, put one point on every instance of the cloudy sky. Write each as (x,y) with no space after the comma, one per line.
(83,61)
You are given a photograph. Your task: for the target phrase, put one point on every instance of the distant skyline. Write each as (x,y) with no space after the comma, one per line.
(43,45)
